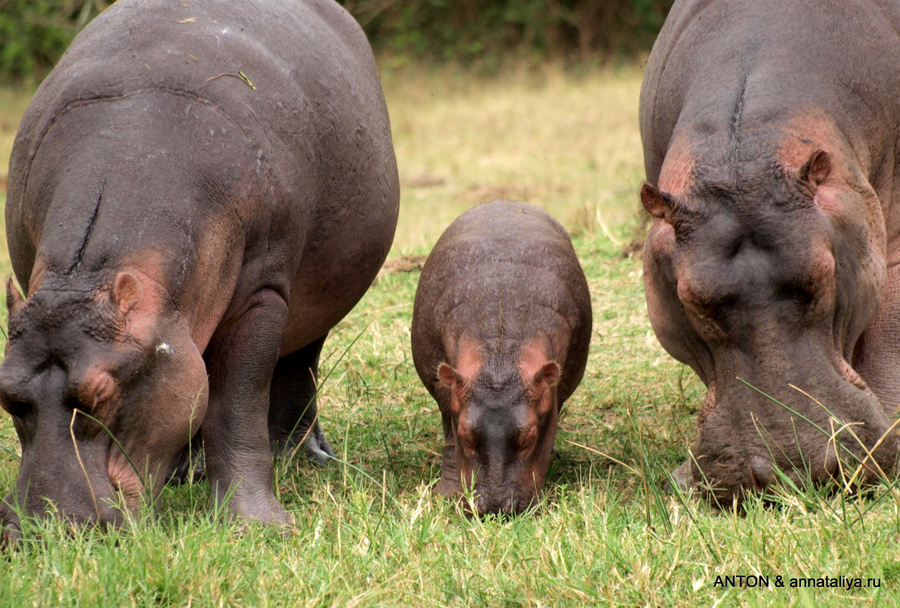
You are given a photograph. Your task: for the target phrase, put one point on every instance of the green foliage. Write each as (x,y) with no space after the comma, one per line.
(484,30)
(35,33)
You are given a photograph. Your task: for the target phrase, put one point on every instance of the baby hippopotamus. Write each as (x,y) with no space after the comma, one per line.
(500,336)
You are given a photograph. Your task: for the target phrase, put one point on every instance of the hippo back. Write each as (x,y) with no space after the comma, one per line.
(293,80)
(501,270)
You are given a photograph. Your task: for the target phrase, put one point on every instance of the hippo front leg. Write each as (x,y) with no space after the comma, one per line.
(240,361)
(450,483)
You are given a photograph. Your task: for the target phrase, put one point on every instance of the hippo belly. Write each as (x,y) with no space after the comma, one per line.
(500,335)
(772,263)
(197,194)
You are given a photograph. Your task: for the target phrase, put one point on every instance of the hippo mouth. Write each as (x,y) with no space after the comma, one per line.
(124,479)
(837,432)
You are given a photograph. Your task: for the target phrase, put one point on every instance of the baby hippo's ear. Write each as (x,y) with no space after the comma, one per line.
(450,378)
(547,376)
(14,300)
(126,292)
(542,398)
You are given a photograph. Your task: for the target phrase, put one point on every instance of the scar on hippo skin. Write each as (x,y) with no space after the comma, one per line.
(500,334)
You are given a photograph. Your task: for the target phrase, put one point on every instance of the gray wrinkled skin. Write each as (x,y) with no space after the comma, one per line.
(770,130)
(500,335)
(197,194)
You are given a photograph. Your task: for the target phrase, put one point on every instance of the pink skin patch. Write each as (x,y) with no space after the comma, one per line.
(803,136)
(540,373)
(676,175)
(37,276)
(468,359)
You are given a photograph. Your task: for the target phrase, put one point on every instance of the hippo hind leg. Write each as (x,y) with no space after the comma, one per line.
(293,415)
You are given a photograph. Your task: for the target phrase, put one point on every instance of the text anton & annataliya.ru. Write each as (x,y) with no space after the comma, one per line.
(792,582)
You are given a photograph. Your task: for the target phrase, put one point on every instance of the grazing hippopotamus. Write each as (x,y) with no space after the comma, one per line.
(197,194)
(500,335)
(772,266)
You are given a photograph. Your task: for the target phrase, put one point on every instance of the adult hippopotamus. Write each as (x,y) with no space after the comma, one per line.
(197,194)
(500,334)
(770,132)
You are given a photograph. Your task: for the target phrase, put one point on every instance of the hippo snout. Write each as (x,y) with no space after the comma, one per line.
(503,505)
(744,447)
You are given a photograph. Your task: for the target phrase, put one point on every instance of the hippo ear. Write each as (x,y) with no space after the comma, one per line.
(656,202)
(816,170)
(547,376)
(126,292)
(449,377)
(14,300)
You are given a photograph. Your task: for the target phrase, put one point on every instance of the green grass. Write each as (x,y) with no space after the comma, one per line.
(368,531)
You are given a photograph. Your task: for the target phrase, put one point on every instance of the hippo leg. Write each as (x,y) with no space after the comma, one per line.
(449,483)
(241,360)
(293,416)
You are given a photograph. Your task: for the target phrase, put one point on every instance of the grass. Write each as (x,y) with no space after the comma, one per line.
(368,531)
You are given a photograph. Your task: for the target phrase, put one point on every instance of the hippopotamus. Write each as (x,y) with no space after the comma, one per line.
(500,335)
(772,264)
(197,193)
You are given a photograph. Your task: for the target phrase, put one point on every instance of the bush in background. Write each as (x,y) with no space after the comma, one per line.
(34,33)
(464,30)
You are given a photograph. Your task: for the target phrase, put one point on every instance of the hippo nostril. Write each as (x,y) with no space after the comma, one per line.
(760,472)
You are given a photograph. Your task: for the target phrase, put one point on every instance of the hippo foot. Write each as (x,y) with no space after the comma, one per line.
(11,532)
(10,536)
(261,508)
(315,445)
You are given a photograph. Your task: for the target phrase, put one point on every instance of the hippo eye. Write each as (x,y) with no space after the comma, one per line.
(527,438)
(100,388)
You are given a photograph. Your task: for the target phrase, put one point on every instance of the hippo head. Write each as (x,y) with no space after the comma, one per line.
(504,416)
(79,356)
(763,281)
